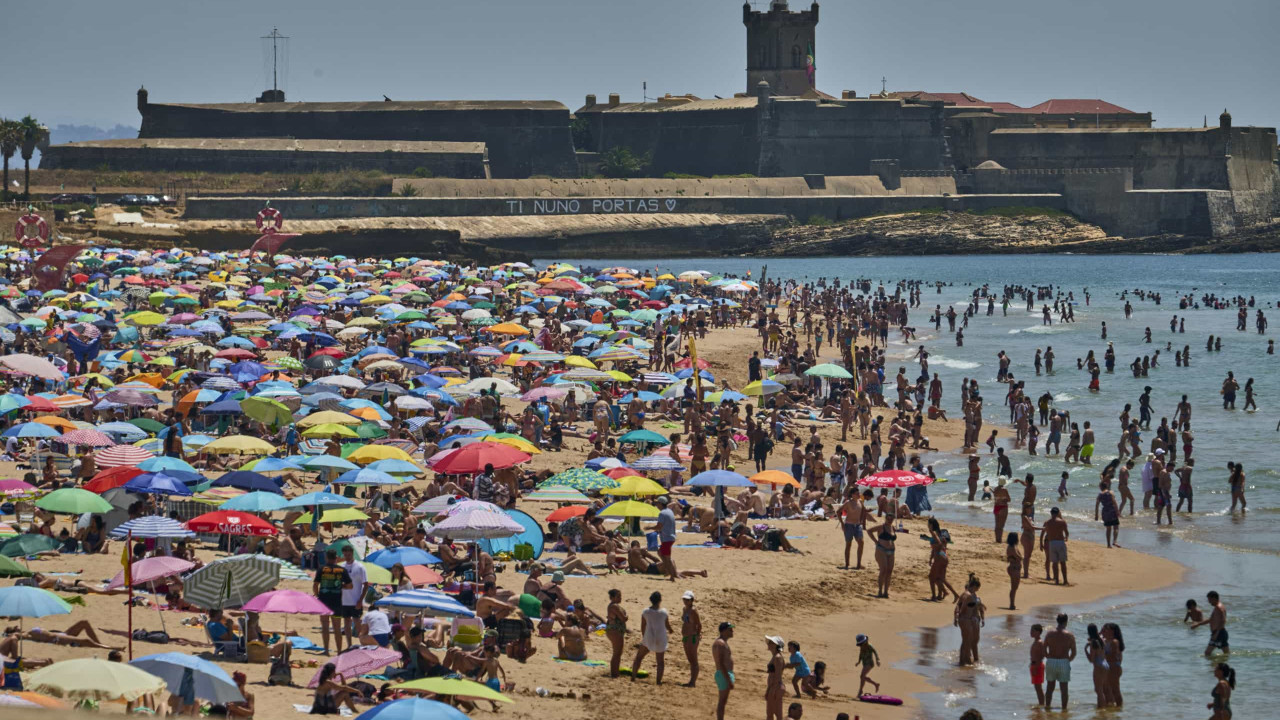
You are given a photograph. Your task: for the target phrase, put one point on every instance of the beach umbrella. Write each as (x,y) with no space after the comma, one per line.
(31,430)
(121,455)
(73,500)
(24,364)
(159,483)
(251,481)
(27,544)
(425,602)
(287,602)
(894,479)
(152,526)
(328,417)
(9,568)
(163,463)
(629,508)
(231,523)
(267,411)
(336,515)
(762,387)
(774,477)
(240,577)
(580,479)
(557,493)
(455,688)
(412,709)
(320,498)
(394,466)
(111,478)
(239,445)
(38,701)
(365,476)
(404,555)
(87,438)
(354,663)
(191,677)
(370,454)
(95,679)
(23,601)
(657,463)
(151,569)
(566,512)
(828,370)
(719,478)
(644,436)
(257,501)
(327,430)
(476,525)
(635,486)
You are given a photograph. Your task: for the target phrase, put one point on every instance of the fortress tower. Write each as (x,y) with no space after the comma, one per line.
(780,47)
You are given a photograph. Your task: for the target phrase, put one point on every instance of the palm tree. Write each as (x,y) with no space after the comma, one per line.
(10,136)
(34,135)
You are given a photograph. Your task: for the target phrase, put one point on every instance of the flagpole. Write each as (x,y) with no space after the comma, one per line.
(127,559)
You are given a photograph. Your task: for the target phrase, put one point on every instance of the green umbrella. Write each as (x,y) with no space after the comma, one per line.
(827,370)
(370,431)
(267,411)
(147,424)
(644,436)
(73,500)
(9,568)
(289,363)
(28,544)
(581,479)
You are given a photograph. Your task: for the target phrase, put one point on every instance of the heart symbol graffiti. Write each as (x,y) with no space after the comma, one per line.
(671,205)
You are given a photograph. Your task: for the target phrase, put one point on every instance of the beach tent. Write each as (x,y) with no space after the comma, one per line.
(532,535)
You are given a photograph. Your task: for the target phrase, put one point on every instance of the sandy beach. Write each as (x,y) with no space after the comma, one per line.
(805,598)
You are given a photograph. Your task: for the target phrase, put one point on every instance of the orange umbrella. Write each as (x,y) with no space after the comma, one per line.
(56,422)
(155,380)
(365,413)
(508,329)
(774,477)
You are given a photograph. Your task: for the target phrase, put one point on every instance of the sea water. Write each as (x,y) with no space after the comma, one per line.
(1166,676)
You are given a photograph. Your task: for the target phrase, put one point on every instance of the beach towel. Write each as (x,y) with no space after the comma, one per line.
(588,663)
(344,711)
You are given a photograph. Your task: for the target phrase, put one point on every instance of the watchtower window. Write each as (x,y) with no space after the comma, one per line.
(764,56)
(797,57)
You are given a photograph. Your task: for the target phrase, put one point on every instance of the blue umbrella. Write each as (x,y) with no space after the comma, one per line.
(320,498)
(249,480)
(719,478)
(223,407)
(644,395)
(23,601)
(321,462)
(412,709)
(395,466)
(405,555)
(162,463)
(191,676)
(256,502)
(157,484)
(365,476)
(31,430)
(429,602)
(272,464)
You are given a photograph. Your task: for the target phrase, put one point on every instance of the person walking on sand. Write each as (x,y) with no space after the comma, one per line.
(1053,543)
(1217,622)
(775,691)
(1060,650)
(655,630)
(868,658)
(722,656)
(691,636)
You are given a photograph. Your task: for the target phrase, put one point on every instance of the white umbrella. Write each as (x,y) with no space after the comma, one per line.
(477,525)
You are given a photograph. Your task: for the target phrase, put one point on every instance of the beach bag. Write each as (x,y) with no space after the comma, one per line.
(281,672)
(152,636)
(523,551)
(651,540)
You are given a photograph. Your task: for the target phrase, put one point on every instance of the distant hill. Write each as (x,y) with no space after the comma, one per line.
(60,134)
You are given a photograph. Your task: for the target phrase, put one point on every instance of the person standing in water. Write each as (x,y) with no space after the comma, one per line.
(1060,650)
(1217,622)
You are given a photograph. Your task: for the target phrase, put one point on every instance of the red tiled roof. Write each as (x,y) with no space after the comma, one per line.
(960,98)
(1078,107)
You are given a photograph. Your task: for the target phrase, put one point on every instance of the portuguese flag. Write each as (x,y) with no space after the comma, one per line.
(811,65)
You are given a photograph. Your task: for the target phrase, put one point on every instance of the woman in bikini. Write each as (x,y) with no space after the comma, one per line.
(938,561)
(970,616)
(1014,559)
(885,539)
(615,628)
(1029,530)
(1114,652)
(691,636)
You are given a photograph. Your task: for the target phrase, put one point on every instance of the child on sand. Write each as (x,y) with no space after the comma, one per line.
(800,665)
(1037,662)
(492,669)
(868,658)
(817,681)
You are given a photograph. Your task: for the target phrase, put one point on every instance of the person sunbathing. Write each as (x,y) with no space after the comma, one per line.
(573,565)
(81,634)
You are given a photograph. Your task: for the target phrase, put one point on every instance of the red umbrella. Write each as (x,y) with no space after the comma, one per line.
(472,458)
(564,513)
(79,278)
(112,478)
(620,472)
(122,455)
(683,363)
(235,354)
(231,522)
(422,575)
(332,352)
(39,404)
(894,479)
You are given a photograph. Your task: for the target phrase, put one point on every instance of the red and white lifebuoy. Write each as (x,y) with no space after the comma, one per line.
(31,230)
(269,220)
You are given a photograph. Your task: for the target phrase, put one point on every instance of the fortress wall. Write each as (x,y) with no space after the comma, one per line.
(1251,172)
(803,136)
(933,183)
(697,142)
(521,141)
(189,159)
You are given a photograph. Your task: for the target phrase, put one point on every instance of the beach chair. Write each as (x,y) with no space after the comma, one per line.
(467,633)
(230,649)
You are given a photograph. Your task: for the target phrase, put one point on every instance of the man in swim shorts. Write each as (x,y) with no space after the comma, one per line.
(1060,650)
(1217,622)
(1053,543)
(723,658)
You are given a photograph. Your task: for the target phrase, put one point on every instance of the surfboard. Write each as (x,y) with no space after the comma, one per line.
(881,699)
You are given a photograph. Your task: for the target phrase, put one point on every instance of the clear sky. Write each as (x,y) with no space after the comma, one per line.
(80,61)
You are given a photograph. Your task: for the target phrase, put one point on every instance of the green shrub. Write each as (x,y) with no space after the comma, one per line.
(423,172)
(407,191)
(819,220)
(620,162)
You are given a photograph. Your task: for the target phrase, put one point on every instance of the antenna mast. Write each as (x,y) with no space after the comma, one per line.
(275,37)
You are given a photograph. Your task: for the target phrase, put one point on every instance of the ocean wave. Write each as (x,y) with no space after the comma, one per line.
(953,363)
(1063,397)
(1046,329)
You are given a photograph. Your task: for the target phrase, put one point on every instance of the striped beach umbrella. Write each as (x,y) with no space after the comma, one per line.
(152,526)
(87,438)
(121,455)
(557,493)
(425,602)
(231,581)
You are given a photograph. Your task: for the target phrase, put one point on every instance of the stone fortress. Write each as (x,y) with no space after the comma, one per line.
(792,149)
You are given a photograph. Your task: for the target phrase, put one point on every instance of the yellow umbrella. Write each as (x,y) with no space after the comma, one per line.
(376,574)
(373,453)
(579,361)
(94,678)
(618,375)
(629,508)
(326,417)
(635,485)
(145,318)
(337,515)
(454,688)
(518,443)
(325,430)
(239,444)
(376,300)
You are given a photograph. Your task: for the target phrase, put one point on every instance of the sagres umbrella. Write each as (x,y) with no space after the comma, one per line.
(73,500)
(191,677)
(231,581)
(455,688)
(94,679)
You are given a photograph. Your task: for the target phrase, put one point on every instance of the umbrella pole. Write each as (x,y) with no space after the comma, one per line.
(128,577)
(158,610)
